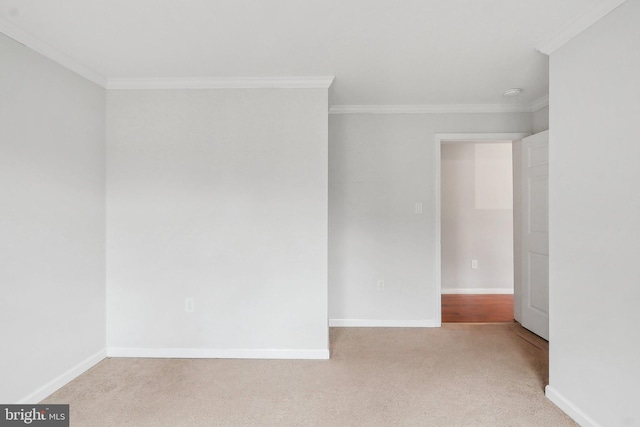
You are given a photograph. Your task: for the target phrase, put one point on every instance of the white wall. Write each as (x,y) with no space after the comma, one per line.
(540,120)
(595,222)
(477,217)
(380,166)
(220,196)
(52,223)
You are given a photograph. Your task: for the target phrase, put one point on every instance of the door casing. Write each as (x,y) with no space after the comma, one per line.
(439,140)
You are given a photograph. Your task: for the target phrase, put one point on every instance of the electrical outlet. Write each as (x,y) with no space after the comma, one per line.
(474,263)
(381,285)
(418,208)
(188,305)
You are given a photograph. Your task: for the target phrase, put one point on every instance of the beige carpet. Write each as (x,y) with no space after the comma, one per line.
(458,375)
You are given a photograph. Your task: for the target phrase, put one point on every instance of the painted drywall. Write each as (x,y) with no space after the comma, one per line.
(52,223)
(594,212)
(477,216)
(380,166)
(540,120)
(220,196)
(493,183)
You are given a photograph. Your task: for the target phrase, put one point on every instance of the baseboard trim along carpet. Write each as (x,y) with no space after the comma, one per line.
(65,378)
(477,291)
(214,353)
(369,323)
(569,408)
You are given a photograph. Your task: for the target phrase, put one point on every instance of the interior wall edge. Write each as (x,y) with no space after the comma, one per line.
(569,407)
(479,291)
(64,378)
(383,323)
(219,353)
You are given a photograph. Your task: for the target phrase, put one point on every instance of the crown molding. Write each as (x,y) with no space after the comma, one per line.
(540,103)
(430,109)
(578,25)
(322,82)
(21,36)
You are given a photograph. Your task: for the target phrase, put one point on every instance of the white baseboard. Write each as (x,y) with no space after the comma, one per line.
(569,408)
(477,291)
(371,323)
(213,353)
(63,379)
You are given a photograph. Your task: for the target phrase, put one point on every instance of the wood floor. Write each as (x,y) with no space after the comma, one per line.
(477,308)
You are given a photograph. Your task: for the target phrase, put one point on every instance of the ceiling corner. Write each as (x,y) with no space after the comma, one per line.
(540,103)
(21,36)
(578,25)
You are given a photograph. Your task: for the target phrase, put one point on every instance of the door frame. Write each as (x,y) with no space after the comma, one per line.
(441,138)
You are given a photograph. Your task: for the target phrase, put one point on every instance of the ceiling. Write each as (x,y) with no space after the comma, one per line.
(381,52)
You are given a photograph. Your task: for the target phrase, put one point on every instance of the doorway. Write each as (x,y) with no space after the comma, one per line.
(475,259)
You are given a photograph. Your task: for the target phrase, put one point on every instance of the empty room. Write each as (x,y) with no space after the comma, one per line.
(218,213)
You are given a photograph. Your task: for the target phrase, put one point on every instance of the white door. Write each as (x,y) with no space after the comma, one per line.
(535,234)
